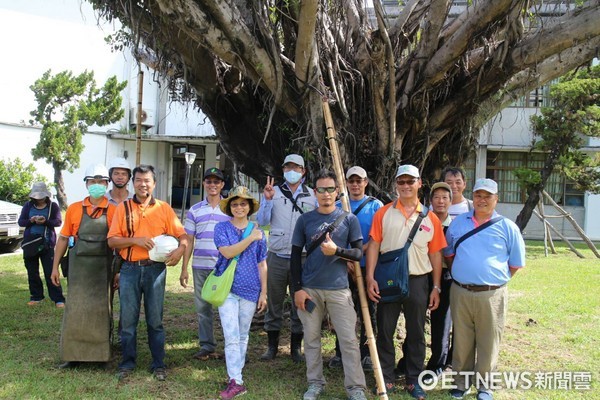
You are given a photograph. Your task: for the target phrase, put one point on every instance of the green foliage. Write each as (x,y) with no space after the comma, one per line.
(562,128)
(527,177)
(67,105)
(16,179)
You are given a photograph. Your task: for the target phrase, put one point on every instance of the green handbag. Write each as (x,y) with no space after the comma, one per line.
(216,288)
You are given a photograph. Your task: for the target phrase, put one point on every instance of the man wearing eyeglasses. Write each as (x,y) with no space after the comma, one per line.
(281,207)
(200,225)
(331,237)
(391,227)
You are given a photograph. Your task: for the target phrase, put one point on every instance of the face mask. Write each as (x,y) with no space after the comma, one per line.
(292,177)
(96,190)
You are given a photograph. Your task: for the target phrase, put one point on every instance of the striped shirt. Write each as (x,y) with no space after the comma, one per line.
(200,222)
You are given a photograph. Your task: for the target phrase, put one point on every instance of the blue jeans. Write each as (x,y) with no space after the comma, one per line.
(206,336)
(36,287)
(236,316)
(150,281)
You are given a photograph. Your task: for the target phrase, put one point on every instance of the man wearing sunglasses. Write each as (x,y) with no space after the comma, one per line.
(331,237)
(391,227)
(200,225)
(281,207)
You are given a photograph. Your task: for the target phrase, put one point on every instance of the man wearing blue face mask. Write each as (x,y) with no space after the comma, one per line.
(86,323)
(281,207)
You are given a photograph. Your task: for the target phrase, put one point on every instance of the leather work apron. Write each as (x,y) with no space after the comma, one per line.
(86,321)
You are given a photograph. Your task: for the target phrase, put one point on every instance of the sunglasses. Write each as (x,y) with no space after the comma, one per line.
(322,190)
(402,182)
(212,181)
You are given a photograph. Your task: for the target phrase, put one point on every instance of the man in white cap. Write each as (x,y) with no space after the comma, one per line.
(441,319)
(484,251)
(364,207)
(392,225)
(281,207)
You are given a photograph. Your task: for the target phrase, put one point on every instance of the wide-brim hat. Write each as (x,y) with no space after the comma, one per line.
(243,193)
(39,191)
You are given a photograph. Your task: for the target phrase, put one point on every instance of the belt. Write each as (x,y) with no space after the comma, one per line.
(478,288)
(142,263)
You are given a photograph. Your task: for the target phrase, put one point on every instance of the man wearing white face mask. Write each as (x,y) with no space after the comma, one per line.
(281,207)
(86,323)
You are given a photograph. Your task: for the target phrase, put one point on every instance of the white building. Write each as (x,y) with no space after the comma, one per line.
(65,35)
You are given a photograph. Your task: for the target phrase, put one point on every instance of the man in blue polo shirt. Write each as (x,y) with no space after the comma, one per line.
(364,207)
(481,266)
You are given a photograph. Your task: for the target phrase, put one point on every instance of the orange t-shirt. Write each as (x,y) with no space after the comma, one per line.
(132,219)
(75,212)
(391,227)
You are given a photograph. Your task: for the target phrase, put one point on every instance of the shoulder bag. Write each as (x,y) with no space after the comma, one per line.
(216,288)
(391,271)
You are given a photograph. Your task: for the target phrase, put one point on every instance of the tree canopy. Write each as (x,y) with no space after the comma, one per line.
(16,180)
(410,87)
(67,105)
(560,131)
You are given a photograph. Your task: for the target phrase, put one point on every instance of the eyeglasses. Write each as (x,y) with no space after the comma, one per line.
(329,189)
(402,182)
(236,205)
(290,167)
(212,181)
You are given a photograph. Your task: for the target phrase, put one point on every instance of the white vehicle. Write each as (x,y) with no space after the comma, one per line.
(11,234)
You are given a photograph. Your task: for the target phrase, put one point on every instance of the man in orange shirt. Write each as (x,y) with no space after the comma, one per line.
(391,227)
(85,333)
(137,221)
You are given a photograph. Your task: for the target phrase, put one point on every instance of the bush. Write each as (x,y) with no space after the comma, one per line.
(16,179)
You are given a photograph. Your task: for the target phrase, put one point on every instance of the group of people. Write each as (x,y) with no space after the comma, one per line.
(460,256)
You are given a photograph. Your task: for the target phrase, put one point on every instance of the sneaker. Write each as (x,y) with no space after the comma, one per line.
(335,362)
(367,364)
(389,389)
(428,379)
(60,304)
(160,374)
(483,395)
(416,391)
(313,392)
(204,355)
(232,390)
(458,394)
(358,395)
(123,374)
(33,302)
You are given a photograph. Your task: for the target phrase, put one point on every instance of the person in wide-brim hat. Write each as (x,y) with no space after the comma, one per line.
(243,193)
(39,191)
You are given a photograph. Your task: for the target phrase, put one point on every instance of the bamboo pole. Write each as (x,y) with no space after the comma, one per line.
(138,125)
(570,218)
(573,249)
(366,317)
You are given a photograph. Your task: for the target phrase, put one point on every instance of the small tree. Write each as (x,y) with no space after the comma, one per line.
(575,114)
(67,105)
(16,179)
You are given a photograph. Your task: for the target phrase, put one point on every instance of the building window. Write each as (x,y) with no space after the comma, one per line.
(501,166)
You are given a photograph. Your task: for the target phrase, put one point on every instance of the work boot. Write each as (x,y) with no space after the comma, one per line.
(295,347)
(273,346)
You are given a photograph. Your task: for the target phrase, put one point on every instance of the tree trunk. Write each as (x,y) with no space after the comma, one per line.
(61,196)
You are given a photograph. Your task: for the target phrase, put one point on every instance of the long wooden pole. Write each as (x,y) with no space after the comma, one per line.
(138,125)
(366,316)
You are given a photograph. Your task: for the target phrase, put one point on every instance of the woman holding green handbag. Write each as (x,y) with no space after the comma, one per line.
(249,289)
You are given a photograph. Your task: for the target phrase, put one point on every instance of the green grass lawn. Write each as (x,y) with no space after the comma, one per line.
(554,317)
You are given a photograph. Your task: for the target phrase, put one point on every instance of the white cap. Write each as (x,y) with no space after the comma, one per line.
(163,245)
(488,185)
(358,171)
(96,171)
(294,158)
(408,170)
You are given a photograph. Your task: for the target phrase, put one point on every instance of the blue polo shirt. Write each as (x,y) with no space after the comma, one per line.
(484,258)
(365,217)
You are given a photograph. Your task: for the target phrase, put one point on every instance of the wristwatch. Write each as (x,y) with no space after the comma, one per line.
(438,289)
